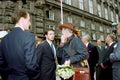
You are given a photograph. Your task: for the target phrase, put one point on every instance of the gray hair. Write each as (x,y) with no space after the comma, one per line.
(87,36)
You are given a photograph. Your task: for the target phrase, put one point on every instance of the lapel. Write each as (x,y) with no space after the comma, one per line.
(89,46)
(48,48)
(98,48)
(110,49)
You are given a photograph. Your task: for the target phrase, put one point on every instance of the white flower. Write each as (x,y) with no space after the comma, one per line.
(65,71)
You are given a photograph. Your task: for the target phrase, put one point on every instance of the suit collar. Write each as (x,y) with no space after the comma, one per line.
(17,28)
(71,38)
(18,25)
(87,44)
(111,43)
(49,42)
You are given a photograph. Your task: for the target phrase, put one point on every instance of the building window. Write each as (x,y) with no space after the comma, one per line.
(83,33)
(91,6)
(108,30)
(68,2)
(69,19)
(50,15)
(106,13)
(99,10)
(82,23)
(92,26)
(94,36)
(117,18)
(112,16)
(48,26)
(101,28)
(81,6)
(102,37)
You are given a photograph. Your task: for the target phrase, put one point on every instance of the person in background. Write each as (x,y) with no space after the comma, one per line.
(38,41)
(115,57)
(2,34)
(18,49)
(101,51)
(71,50)
(106,64)
(47,57)
(92,54)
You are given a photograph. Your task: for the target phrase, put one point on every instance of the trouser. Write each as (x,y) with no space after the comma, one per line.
(92,71)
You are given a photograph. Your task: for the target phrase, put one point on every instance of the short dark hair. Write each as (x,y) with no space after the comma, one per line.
(46,31)
(18,14)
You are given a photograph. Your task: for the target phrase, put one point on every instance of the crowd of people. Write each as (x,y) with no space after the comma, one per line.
(26,57)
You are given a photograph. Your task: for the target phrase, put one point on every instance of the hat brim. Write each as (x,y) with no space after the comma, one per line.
(64,26)
(74,31)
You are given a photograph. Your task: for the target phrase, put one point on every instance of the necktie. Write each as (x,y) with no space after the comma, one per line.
(54,52)
(53,49)
(87,51)
(100,47)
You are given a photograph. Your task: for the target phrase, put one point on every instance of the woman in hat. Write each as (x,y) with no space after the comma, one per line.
(71,50)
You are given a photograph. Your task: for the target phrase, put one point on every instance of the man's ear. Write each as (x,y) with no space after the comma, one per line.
(45,35)
(21,19)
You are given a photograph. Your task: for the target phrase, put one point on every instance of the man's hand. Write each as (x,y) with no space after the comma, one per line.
(103,66)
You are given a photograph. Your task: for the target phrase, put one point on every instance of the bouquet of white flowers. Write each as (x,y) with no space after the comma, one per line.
(65,71)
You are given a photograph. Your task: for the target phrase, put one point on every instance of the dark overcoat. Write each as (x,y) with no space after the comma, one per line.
(74,49)
(18,51)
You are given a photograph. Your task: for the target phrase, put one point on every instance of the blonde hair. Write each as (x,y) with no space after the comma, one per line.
(112,36)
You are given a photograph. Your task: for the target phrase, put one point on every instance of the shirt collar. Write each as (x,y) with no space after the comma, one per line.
(110,43)
(87,44)
(49,42)
(20,27)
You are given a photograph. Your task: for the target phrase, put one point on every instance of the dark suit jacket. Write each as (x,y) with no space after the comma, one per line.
(46,62)
(18,51)
(106,60)
(92,59)
(93,54)
(101,53)
(107,63)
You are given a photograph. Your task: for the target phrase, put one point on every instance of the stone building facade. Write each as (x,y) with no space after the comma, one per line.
(90,16)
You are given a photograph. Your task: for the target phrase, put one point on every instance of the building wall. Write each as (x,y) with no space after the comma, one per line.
(40,16)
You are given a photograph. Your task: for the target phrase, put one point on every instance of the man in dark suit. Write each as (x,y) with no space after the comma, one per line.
(101,51)
(93,54)
(106,64)
(18,49)
(46,57)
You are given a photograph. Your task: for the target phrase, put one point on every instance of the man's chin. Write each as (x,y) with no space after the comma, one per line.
(52,39)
